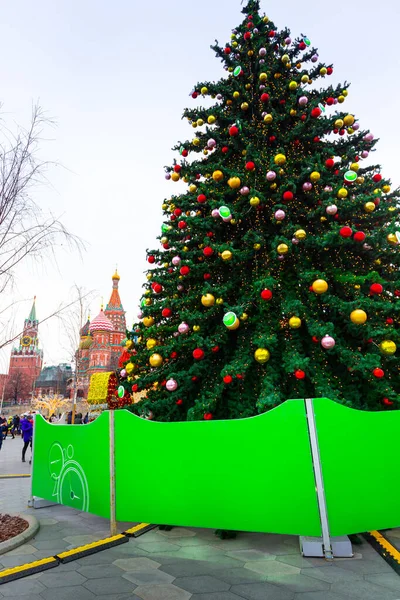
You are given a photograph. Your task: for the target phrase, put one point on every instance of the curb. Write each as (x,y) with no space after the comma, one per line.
(18,540)
(384,548)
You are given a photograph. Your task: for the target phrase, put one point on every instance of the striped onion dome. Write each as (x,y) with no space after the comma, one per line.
(101,323)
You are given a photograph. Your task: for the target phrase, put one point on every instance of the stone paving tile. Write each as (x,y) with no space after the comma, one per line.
(136,564)
(366,567)
(189,568)
(154,547)
(217,596)
(16,561)
(162,592)
(364,590)
(332,573)
(57,545)
(118,597)
(48,521)
(271,567)
(54,579)
(21,550)
(109,585)
(80,540)
(22,587)
(98,571)
(299,583)
(177,532)
(262,591)
(249,555)
(76,592)
(296,560)
(153,576)
(387,580)
(216,561)
(322,596)
(201,583)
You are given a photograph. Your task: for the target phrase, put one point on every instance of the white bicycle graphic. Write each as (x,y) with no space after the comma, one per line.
(70,483)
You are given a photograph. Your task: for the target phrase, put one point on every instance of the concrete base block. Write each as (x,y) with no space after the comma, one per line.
(313,547)
(36,502)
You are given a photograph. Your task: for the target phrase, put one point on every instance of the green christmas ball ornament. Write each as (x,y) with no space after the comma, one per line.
(237,71)
(225,212)
(350,176)
(307,41)
(229,319)
(121,391)
(164,228)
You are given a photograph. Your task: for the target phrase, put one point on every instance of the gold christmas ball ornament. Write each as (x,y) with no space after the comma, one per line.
(128,344)
(151,342)
(305,79)
(200,122)
(226,255)
(219,301)
(211,120)
(320,286)
(293,112)
(196,142)
(175,177)
(196,328)
(248,86)
(369,207)
(208,300)
(358,316)
(357,286)
(236,95)
(192,188)
(348,120)
(156,360)
(164,240)
(263,77)
(293,86)
(345,93)
(392,239)
(294,322)
(323,71)
(234,183)
(148,321)
(250,53)
(283,249)
(280,159)
(204,90)
(262,355)
(387,347)
(130,367)
(244,317)
(256,246)
(339,123)
(315,176)
(218,176)
(386,189)
(149,276)
(244,106)
(342,193)
(354,167)
(148,302)
(341,99)
(285,58)
(254,201)
(300,234)
(268,119)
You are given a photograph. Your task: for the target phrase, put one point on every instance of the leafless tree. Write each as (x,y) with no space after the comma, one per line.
(18,387)
(25,229)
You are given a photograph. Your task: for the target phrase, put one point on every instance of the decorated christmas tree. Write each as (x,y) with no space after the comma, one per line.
(277,274)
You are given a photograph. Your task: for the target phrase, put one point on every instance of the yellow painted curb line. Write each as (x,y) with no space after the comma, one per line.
(28,569)
(382,541)
(69,555)
(137,528)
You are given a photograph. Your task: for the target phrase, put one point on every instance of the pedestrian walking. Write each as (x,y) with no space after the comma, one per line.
(26,432)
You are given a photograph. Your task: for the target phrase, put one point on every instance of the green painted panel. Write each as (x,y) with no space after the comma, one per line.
(71,464)
(249,474)
(360,465)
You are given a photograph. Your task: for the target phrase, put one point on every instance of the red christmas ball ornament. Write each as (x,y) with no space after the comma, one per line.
(330,101)
(177,168)
(336,130)
(272,138)
(208,251)
(283,101)
(315,339)
(177,212)
(387,402)
(299,374)
(198,176)
(166,312)
(359,236)
(266,294)
(271,34)
(302,46)
(247,36)
(397,293)
(233,131)
(206,276)
(227,50)
(157,288)
(224,149)
(179,402)
(227,379)
(264,97)
(201,198)
(376,201)
(329,163)
(173,217)
(317,139)
(239,376)
(194,95)
(346,232)
(378,373)
(185,270)
(209,234)
(185,153)
(316,112)
(165,246)
(182,224)
(151,259)
(173,355)
(135,387)
(249,25)
(342,131)
(198,354)
(376,288)
(250,166)
(288,196)
(208,416)
(377,177)
(329,71)
(215,349)
(303,117)
(389,321)
(194,379)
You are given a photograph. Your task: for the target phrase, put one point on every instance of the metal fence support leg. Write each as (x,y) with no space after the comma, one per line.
(319,482)
(113,522)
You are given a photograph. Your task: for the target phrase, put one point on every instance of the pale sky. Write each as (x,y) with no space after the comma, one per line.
(116,76)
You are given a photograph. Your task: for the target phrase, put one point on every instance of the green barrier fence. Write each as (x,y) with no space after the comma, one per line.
(252,474)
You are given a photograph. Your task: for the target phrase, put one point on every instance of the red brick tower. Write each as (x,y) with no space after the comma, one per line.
(26,359)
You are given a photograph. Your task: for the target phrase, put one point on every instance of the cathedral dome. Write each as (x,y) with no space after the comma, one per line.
(116,276)
(101,323)
(86,342)
(85,329)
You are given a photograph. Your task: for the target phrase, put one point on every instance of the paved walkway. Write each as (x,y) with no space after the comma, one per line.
(179,564)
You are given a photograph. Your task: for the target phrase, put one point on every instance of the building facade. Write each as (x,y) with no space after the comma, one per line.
(100,340)
(25,362)
(54,380)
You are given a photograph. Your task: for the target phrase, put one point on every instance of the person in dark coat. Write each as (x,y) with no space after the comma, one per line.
(78,419)
(26,432)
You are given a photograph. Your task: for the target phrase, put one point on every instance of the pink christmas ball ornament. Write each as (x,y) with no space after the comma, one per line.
(171,385)
(288,41)
(183,328)
(140,315)
(307,186)
(364,154)
(331,209)
(261,61)
(245,191)
(303,100)
(211,144)
(295,241)
(215,213)
(369,137)
(123,373)
(356,126)
(280,215)
(281,257)
(180,288)
(271,175)
(167,176)
(176,261)
(327,342)
(262,51)
(314,58)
